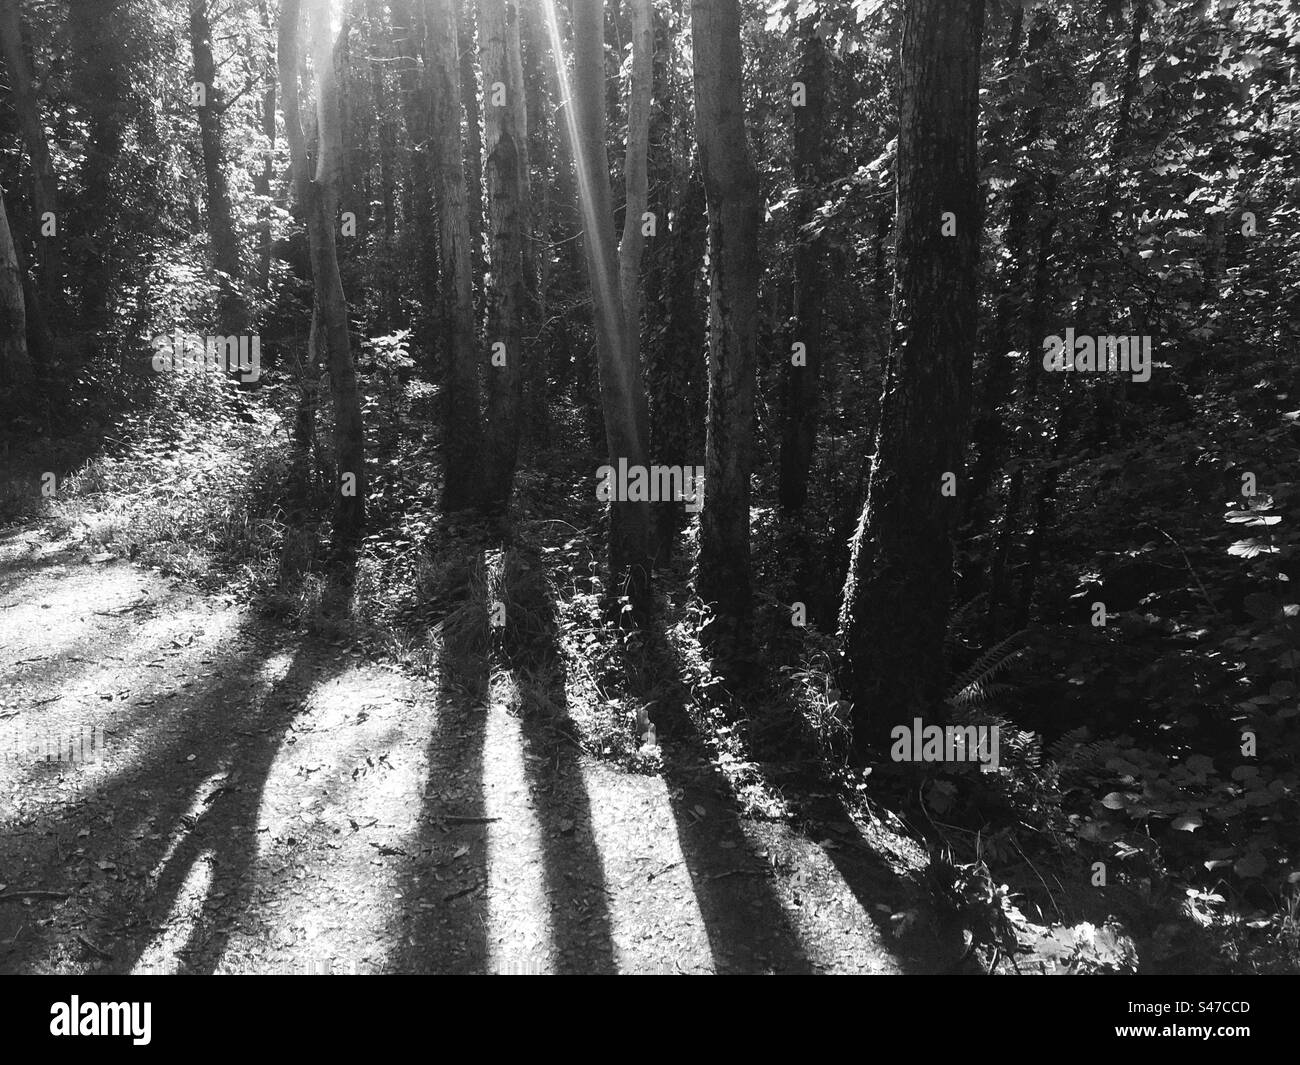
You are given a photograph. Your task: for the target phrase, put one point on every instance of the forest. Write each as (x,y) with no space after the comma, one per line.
(649,486)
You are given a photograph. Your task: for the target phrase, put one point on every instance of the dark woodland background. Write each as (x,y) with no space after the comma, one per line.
(814,247)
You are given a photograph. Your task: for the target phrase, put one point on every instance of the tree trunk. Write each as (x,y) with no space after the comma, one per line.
(101,85)
(462,432)
(408,40)
(677,359)
(389,297)
(15,364)
(802,408)
(221,223)
(262,182)
(504,142)
(621,391)
(23,95)
(287,62)
(536,62)
(473,148)
(321,203)
(635,166)
(731,190)
(893,617)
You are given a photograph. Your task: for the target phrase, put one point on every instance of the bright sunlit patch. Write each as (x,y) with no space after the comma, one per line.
(518,913)
(636,835)
(160,956)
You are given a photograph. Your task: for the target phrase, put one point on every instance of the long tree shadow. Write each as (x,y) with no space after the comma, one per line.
(575,876)
(936,945)
(445,879)
(748,928)
(151,819)
(224,834)
(451,921)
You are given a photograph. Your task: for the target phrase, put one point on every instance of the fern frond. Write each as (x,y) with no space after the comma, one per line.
(976,679)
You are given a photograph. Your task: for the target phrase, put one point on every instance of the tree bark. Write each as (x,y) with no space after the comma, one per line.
(677,359)
(221,223)
(46,198)
(262,182)
(320,193)
(408,40)
(101,84)
(893,617)
(463,431)
(473,150)
(635,166)
(802,407)
(504,142)
(731,190)
(621,390)
(15,363)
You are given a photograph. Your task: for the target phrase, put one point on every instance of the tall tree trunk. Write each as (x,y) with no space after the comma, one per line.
(731,189)
(46,198)
(504,141)
(635,169)
(321,202)
(15,364)
(221,223)
(408,41)
(101,82)
(802,408)
(262,182)
(462,432)
(536,61)
(621,390)
(288,63)
(893,618)
(473,148)
(675,350)
(388,301)
(677,360)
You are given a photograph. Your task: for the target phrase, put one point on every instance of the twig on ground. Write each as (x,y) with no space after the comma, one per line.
(13,896)
(94,949)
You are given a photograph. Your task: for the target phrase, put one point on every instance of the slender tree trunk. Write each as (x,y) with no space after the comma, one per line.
(536,61)
(320,192)
(504,142)
(23,95)
(621,390)
(388,299)
(731,189)
(262,183)
(408,40)
(288,62)
(893,618)
(803,367)
(101,84)
(635,167)
(473,150)
(463,431)
(15,363)
(677,362)
(40,344)
(221,222)
(675,350)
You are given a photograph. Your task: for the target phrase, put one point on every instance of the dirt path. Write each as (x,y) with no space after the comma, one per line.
(263,803)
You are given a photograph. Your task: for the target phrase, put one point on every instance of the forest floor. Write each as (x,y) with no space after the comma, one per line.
(260,801)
